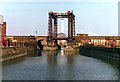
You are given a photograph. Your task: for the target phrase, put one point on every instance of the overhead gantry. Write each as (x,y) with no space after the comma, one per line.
(52,25)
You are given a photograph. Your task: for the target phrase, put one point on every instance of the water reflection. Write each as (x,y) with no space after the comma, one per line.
(39,52)
(59,65)
(34,53)
(15,61)
(62,52)
(52,59)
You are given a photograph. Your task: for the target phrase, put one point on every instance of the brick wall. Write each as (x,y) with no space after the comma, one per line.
(4,29)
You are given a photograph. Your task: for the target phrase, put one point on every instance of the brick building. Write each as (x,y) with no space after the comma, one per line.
(20,40)
(4,30)
(3,34)
(107,41)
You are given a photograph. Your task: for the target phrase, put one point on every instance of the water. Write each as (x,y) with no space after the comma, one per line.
(52,65)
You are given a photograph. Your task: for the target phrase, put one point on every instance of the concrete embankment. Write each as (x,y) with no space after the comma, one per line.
(14,52)
(101,52)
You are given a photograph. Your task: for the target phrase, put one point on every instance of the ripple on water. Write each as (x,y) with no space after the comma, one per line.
(59,67)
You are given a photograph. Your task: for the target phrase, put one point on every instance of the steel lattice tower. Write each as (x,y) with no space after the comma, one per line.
(52,19)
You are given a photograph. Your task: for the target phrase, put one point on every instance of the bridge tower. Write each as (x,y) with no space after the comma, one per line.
(52,25)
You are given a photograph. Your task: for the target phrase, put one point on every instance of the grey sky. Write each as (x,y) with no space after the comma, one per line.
(94,18)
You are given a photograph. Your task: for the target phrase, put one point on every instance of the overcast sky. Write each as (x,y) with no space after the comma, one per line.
(94,18)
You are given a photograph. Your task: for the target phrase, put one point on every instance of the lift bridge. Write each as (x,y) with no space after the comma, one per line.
(52,25)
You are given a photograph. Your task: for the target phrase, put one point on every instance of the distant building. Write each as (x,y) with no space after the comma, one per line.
(20,40)
(1,23)
(4,30)
(62,35)
(82,34)
(3,34)
(108,41)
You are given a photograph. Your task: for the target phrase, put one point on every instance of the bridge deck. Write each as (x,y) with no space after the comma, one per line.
(60,39)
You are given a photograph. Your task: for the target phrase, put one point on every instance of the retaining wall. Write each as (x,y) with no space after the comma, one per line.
(14,52)
(101,52)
